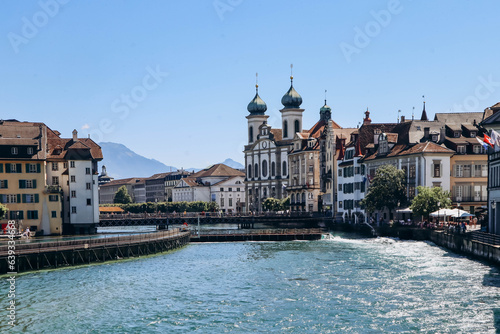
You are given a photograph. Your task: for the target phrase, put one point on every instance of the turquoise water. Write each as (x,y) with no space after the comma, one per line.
(344,285)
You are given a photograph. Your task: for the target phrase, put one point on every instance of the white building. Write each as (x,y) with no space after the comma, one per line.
(218,183)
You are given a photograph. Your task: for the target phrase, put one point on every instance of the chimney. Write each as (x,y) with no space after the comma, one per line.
(75,135)
(442,135)
(402,119)
(426,133)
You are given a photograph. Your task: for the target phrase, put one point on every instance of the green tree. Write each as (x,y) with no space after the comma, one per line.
(429,200)
(271,204)
(3,210)
(387,189)
(122,196)
(212,206)
(285,203)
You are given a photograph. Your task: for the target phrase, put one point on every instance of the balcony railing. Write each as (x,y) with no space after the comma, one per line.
(53,189)
(469,199)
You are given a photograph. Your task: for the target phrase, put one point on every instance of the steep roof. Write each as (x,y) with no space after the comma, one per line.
(401,149)
(218,170)
(121,182)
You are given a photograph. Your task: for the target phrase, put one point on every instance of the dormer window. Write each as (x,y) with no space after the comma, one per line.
(14,150)
(29,150)
(473,134)
(461,149)
(434,138)
(383,145)
(456,134)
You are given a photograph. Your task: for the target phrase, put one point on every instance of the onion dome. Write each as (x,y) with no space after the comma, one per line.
(291,99)
(257,106)
(325,108)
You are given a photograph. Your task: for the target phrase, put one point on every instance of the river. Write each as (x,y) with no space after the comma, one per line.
(344,285)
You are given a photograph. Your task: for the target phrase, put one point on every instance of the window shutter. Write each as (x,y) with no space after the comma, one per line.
(27,168)
(37,198)
(6,182)
(18,198)
(38,168)
(2,198)
(22,184)
(7,168)
(24,198)
(19,168)
(1,168)
(34,184)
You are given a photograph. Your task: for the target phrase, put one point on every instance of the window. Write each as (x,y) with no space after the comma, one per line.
(221,189)
(32,214)
(88,186)
(14,150)
(73,209)
(273,169)
(16,214)
(29,150)
(297,126)
(456,134)
(72,164)
(311,168)
(249,171)
(54,214)
(87,171)
(264,168)
(285,129)
(250,134)
(461,149)
(33,168)
(340,187)
(222,202)
(436,184)
(436,169)
(73,178)
(256,171)
(230,202)
(340,204)
(55,166)
(412,171)
(284,168)
(28,198)
(89,202)
(4,184)
(11,198)
(53,198)
(65,165)
(340,171)
(473,134)
(230,189)
(55,180)
(237,189)
(73,193)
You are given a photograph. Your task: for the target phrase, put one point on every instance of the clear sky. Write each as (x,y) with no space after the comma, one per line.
(172,79)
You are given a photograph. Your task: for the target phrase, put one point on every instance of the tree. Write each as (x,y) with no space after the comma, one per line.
(3,210)
(429,200)
(271,204)
(122,196)
(387,189)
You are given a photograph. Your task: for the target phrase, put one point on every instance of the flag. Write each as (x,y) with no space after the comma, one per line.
(495,138)
(482,143)
(487,140)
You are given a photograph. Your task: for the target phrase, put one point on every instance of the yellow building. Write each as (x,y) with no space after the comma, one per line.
(25,194)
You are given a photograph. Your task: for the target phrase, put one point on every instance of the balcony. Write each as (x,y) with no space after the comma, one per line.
(461,199)
(53,189)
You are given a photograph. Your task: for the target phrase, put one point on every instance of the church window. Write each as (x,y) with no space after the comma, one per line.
(256,171)
(264,168)
(249,171)
(285,129)
(297,126)
(250,134)
(273,169)
(284,168)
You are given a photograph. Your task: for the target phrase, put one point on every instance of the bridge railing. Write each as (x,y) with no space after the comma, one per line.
(144,215)
(261,232)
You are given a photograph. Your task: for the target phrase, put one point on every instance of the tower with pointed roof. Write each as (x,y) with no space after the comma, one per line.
(291,114)
(257,109)
(424,114)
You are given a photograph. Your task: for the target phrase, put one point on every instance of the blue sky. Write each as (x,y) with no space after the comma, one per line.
(188,67)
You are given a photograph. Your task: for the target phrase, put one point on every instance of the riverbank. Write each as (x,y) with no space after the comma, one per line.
(462,244)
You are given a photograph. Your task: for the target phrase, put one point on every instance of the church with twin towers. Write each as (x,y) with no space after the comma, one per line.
(287,161)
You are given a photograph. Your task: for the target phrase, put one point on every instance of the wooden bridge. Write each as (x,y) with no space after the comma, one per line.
(258,235)
(163,220)
(46,255)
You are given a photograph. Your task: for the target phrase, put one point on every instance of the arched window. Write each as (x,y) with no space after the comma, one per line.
(249,171)
(264,168)
(292,198)
(284,168)
(297,126)
(250,134)
(256,171)
(273,169)
(303,197)
(285,129)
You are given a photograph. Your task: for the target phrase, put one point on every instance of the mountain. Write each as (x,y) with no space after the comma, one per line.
(121,162)
(233,164)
